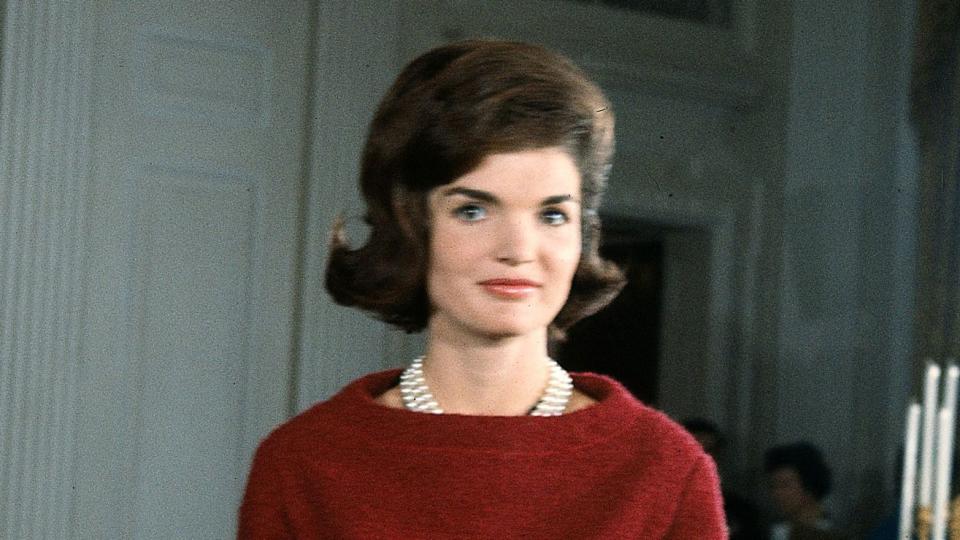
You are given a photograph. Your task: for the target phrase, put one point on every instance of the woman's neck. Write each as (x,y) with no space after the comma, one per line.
(809,514)
(486,376)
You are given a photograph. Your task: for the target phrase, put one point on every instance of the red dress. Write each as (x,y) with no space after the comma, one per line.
(352,468)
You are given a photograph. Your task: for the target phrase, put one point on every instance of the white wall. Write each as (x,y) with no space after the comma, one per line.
(356,59)
(848,226)
(784,141)
(149,183)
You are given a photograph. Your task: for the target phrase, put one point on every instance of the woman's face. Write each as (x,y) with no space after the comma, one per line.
(788,492)
(505,243)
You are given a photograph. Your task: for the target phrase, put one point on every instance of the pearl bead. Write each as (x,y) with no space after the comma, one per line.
(416,394)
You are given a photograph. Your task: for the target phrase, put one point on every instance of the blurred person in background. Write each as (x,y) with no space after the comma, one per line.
(799,480)
(743,517)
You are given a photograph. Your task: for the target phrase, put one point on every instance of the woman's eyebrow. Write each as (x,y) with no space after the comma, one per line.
(480,195)
(557,199)
(486,196)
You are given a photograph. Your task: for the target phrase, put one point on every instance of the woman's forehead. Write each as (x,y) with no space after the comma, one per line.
(537,173)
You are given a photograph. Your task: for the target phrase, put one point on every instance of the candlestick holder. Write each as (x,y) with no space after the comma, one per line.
(924,522)
(954,524)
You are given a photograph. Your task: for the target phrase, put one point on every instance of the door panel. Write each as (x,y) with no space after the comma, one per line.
(199,150)
(193,257)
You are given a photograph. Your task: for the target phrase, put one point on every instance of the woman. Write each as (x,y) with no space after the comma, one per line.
(482,176)
(800,480)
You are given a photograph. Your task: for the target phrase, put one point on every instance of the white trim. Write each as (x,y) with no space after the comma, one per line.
(338,344)
(743,377)
(718,221)
(44,200)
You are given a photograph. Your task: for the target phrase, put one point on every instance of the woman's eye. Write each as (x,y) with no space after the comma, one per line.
(470,212)
(552,216)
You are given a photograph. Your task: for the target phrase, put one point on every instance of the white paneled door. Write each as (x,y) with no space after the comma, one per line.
(198,146)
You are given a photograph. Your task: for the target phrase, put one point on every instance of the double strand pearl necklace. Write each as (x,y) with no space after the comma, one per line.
(417,397)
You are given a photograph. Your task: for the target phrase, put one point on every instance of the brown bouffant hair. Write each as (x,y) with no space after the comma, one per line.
(447,110)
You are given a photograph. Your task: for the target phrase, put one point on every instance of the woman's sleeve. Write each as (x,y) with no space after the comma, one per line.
(262,513)
(700,510)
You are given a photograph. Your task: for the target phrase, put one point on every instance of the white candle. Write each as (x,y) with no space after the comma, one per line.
(944,458)
(930,387)
(909,479)
(950,388)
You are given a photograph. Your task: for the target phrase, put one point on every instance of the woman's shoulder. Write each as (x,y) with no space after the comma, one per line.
(325,420)
(297,433)
(651,429)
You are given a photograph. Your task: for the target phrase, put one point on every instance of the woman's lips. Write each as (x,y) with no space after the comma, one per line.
(511,289)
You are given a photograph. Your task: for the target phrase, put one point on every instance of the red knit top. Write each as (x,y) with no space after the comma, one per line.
(352,468)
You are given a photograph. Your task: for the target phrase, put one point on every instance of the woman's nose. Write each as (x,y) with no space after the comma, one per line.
(517,241)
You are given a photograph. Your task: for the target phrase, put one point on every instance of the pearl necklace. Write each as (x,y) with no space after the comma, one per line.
(417,397)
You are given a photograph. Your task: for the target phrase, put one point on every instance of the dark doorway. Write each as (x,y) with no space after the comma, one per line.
(623,339)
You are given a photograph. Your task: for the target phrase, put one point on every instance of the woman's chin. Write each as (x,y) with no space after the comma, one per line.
(501,331)
(491,324)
